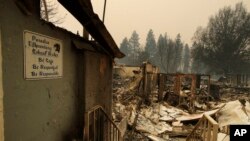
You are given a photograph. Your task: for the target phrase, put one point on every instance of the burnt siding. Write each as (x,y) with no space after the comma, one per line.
(98,81)
(105,97)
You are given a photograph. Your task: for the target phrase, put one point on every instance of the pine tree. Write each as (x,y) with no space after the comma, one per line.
(171,56)
(197,64)
(125,48)
(186,59)
(150,47)
(135,47)
(162,55)
(178,53)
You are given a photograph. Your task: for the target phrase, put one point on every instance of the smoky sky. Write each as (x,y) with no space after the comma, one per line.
(162,16)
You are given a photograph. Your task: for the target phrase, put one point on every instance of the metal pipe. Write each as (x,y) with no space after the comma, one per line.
(104,10)
(45,10)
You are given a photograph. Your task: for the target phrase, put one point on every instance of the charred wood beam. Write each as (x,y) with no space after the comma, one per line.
(29,7)
(161,85)
(82,10)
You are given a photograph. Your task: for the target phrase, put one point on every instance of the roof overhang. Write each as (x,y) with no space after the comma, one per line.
(82,10)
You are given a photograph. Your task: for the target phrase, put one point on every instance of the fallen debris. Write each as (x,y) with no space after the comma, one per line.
(170,108)
(145,125)
(223,137)
(155,138)
(196,116)
(234,113)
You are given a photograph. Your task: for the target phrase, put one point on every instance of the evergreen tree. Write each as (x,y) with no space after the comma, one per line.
(197,64)
(171,56)
(163,55)
(150,47)
(142,57)
(186,59)
(178,53)
(126,49)
(135,48)
(223,44)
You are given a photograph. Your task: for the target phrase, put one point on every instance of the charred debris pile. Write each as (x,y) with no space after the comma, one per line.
(148,105)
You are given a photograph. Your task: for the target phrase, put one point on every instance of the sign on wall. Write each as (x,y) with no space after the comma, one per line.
(43,56)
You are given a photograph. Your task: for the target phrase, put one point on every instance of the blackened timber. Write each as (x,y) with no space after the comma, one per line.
(161,84)
(29,7)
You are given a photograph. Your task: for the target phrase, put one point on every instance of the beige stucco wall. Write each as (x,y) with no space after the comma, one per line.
(48,109)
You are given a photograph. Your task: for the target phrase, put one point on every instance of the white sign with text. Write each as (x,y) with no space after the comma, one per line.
(43,56)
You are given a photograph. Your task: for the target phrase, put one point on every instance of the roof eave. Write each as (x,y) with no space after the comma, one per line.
(82,10)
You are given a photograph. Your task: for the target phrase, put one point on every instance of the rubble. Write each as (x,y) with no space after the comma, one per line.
(196,116)
(162,113)
(234,112)
(223,137)
(146,125)
(155,138)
